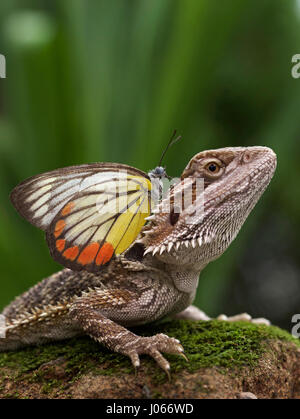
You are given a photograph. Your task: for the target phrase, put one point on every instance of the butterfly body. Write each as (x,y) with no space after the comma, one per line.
(158,172)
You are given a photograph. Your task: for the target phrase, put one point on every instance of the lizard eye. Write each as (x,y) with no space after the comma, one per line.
(213,167)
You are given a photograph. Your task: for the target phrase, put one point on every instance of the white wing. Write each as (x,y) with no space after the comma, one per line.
(40,198)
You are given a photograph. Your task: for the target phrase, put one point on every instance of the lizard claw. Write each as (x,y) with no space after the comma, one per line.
(135,360)
(184,356)
(162,362)
(153,346)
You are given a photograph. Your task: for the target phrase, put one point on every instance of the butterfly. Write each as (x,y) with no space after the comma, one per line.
(90,212)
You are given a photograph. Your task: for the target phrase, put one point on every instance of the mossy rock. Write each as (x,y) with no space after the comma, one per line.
(226,360)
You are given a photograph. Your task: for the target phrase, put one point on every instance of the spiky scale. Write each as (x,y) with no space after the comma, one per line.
(162,249)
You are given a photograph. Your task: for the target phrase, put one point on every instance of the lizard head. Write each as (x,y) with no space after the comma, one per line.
(222,187)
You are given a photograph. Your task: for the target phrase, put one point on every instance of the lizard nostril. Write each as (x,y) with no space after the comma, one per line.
(246,157)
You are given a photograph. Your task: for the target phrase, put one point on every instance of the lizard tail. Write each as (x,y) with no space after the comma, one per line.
(24,331)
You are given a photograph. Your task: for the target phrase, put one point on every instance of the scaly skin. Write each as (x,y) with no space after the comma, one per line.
(158,275)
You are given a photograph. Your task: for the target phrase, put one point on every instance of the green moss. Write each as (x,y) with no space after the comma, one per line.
(223,344)
(214,343)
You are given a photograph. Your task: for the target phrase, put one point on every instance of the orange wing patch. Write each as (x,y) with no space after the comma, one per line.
(92,253)
(105,254)
(59,227)
(60,244)
(88,253)
(71,253)
(67,209)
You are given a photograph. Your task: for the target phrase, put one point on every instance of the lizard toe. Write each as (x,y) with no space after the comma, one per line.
(244,317)
(161,361)
(135,359)
(153,346)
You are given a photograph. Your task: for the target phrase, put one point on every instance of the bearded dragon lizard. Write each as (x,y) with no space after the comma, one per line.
(158,275)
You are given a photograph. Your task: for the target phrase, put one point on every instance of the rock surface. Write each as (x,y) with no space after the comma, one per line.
(226,360)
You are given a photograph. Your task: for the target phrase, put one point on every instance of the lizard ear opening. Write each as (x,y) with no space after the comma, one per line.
(135,252)
(174,215)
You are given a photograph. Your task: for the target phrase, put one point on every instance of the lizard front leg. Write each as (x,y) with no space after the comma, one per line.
(99,312)
(194,313)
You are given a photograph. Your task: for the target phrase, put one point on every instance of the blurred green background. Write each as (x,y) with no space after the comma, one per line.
(109,80)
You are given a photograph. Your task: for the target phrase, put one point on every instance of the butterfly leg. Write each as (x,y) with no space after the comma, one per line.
(92,311)
(194,313)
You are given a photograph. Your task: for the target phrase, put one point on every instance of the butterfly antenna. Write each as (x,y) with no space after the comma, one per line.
(172,141)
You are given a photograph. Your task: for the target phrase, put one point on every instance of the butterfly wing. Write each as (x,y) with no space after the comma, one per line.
(100,222)
(90,212)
